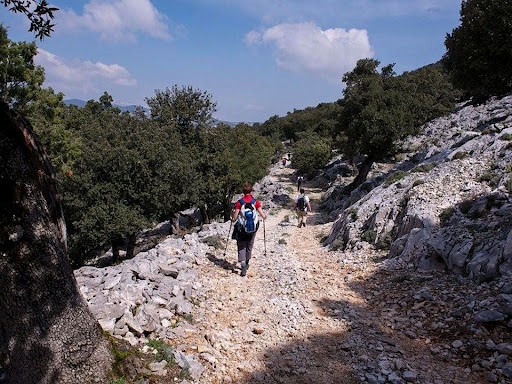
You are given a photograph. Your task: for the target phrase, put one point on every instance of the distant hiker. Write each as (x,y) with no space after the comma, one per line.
(289,156)
(300,180)
(247,221)
(284,160)
(302,207)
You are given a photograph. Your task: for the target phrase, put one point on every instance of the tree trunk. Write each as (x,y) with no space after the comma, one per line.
(116,245)
(365,168)
(47,333)
(130,247)
(227,207)
(174,223)
(205,213)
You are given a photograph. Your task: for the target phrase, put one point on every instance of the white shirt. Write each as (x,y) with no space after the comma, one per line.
(306,200)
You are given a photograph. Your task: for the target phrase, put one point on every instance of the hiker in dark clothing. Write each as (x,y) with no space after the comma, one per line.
(246,216)
(300,180)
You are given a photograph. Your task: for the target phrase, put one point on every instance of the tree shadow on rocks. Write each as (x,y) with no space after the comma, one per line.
(223,263)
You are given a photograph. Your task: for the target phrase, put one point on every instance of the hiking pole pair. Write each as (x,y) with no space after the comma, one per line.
(227,239)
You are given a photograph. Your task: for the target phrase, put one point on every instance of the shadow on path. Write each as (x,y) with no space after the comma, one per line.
(224,264)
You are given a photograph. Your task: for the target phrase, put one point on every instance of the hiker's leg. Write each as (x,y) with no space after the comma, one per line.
(248,249)
(242,246)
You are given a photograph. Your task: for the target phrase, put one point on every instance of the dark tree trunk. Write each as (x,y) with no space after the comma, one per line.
(174,223)
(227,208)
(362,174)
(47,333)
(116,245)
(130,247)
(205,213)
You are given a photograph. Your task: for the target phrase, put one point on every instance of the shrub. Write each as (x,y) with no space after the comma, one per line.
(418,182)
(369,236)
(508,184)
(215,241)
(282,241)
(506,137)
(385,241)
(445,215)
(352,212)
(424,167)
(460,155)
(394,178)
(163,350)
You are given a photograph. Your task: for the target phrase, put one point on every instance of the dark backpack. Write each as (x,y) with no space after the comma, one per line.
(301,203)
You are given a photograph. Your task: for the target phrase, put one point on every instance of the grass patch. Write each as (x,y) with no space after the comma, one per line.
(506,137)
(215,241)
(163,351)
(424,167)
(394,178)
(418,182)
(352,212)
(282,242)
(460,155)
(492,178)
(185,374)
(119,381)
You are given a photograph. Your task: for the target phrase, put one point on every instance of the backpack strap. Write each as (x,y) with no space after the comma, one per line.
(253,202)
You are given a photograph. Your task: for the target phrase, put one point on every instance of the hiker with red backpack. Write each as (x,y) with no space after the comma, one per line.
(302,207)
(246,214)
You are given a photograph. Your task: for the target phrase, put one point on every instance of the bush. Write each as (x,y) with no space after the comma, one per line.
(424,167)
(460,155)
(506,137)
(478,53)
(445,215)
(418,182)
(369,236)
(215,241)
(508,185)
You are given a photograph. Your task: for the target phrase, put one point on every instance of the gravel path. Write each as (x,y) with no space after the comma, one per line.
(303,316)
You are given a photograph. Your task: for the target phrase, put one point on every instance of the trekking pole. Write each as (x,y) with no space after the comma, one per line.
(265,238)
(227,239)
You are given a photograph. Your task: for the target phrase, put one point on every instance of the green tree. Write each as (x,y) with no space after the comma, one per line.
(184,108)
(479,51)
(310,153)
(20,79)
(376,114)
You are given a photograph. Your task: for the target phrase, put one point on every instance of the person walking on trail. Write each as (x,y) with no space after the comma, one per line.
(247,210)
(300,180)
(302,207)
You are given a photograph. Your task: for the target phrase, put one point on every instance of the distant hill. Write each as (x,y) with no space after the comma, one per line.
(131,108)
(123,108)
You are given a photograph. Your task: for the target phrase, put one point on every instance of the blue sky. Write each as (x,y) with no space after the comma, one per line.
(257,58)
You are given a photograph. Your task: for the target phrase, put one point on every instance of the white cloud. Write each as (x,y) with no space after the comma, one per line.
(305,47)
(81,79)
(117,19)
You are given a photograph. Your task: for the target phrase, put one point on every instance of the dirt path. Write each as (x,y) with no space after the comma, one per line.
(299,317)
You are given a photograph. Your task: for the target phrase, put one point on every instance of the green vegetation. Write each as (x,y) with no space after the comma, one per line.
(310,154)
(352,212)
(478,54)
(460,155)
(424,167)
(163,350)
(418,182)
(395,177)
(508,184)
(282,242)
(506,137)
(369,236)
(215,241)
(445,215)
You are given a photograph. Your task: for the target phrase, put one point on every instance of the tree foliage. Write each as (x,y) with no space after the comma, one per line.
(381,109)
(20,79)
(310,153)
(479,51)
(38,12)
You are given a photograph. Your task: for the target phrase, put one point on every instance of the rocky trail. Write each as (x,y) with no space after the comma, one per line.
(302,316)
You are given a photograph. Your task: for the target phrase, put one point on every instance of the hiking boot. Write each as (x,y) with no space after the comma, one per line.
(304,224)
(244,270)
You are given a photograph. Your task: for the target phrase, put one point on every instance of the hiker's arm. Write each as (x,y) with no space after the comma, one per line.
(262,214)
(309,207)
(235,214)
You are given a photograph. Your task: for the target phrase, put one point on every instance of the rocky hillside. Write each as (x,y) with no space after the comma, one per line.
(446,205)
